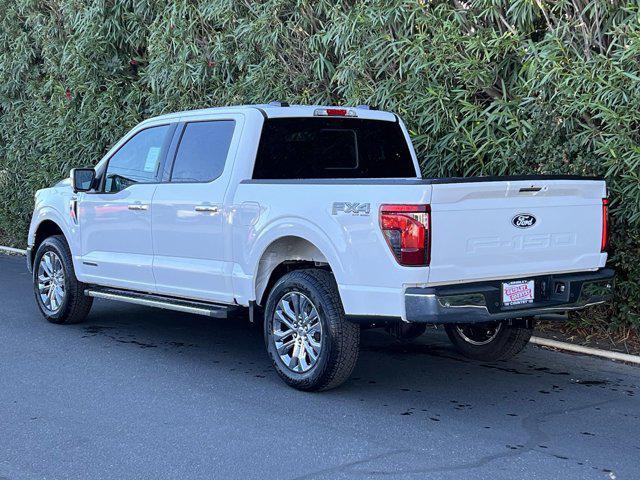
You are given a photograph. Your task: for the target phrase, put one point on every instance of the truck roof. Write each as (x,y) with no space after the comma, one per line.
(276,110)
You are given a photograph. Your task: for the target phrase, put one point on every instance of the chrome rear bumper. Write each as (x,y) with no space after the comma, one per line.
(481,302)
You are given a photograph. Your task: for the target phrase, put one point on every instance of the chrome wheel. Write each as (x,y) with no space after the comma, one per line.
(297,332)
(51,282)
(480,334)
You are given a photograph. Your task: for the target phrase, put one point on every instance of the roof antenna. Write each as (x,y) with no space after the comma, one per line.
(279,104)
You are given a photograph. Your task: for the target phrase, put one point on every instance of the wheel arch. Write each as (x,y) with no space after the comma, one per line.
(285,254)
(45,229)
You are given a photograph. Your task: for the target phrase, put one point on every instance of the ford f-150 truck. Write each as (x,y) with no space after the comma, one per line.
(318,221)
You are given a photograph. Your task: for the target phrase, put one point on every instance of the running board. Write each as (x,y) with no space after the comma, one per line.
(160,301)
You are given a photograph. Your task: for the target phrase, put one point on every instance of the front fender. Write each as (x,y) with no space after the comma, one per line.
(47,213)
(56,210)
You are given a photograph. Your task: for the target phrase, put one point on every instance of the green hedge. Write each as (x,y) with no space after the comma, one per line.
(486,87)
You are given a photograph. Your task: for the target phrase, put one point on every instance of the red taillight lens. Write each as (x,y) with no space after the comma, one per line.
(604,243)
(407,229)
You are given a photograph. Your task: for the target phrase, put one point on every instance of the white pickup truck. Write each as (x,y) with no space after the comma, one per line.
(317,220)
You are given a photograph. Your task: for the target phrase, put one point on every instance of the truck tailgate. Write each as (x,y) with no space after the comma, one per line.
(514,229)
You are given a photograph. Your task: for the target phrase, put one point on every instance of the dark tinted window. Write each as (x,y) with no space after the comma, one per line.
(202,151)
(332,148)
(137,160)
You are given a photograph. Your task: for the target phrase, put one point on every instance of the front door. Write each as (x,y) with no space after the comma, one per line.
(115,221)
(191,257)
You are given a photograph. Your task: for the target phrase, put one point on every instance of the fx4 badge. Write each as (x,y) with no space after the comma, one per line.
(353,208)
(523,220)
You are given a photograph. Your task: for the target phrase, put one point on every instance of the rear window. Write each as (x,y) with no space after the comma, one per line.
(298,148)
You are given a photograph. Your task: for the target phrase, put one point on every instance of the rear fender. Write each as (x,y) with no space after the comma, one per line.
(321,248)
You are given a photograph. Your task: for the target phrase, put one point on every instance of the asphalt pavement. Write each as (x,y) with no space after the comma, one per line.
(140,393)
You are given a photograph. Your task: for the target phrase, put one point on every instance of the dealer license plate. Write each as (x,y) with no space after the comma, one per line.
(519,292)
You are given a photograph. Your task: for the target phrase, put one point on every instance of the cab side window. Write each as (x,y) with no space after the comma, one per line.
(137,161)
(203,151)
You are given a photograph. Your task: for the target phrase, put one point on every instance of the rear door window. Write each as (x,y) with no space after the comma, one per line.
(298,148)
(202,151)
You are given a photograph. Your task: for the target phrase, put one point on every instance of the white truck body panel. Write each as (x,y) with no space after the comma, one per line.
(116,243)
(191,248)
(371,282)
(474,238)
(226,256)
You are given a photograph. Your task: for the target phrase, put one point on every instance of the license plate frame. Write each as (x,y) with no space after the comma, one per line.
(518,293)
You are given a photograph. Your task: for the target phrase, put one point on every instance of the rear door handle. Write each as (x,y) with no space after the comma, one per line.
(206,208)
(138,206)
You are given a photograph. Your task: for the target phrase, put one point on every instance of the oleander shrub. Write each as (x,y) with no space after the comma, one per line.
(486,87)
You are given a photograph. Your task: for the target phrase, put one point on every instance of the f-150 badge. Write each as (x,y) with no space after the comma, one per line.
(353,208)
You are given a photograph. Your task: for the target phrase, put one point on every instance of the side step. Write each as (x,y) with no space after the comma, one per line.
(160,301)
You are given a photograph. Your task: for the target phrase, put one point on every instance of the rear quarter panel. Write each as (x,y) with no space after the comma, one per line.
(370,281)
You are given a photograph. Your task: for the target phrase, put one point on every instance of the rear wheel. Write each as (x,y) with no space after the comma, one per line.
(489,342)
(311,344)
(59,295)
(405,332)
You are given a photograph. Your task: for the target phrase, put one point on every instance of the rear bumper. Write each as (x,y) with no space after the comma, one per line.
(481,302)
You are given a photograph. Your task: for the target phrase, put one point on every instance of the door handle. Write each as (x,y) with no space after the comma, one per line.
(206,208)
(138,206)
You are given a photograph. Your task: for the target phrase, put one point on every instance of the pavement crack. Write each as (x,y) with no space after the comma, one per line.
(530,424)
(349,465)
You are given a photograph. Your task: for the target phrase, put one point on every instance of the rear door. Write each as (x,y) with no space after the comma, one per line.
(192,256)
(514,229)
(115,222)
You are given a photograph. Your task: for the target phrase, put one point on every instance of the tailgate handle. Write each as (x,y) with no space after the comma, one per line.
(530,189)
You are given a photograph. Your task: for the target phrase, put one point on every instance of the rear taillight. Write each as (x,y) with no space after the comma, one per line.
(604,243)
(407,230)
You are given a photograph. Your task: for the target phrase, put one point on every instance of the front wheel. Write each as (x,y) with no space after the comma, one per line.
(489,342)
(59,294)
(311,344)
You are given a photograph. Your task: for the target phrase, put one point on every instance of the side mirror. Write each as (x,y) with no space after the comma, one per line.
(82,179)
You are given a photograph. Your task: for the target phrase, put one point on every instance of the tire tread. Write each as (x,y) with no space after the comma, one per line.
(78,304)
(511,341)
(519,340)
(345,334)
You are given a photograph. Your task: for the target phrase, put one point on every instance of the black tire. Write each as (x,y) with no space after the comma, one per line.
(405,332)
(340,338)
(507,342)
(75,305)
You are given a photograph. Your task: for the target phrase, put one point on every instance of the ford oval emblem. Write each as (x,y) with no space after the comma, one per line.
(523,220)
